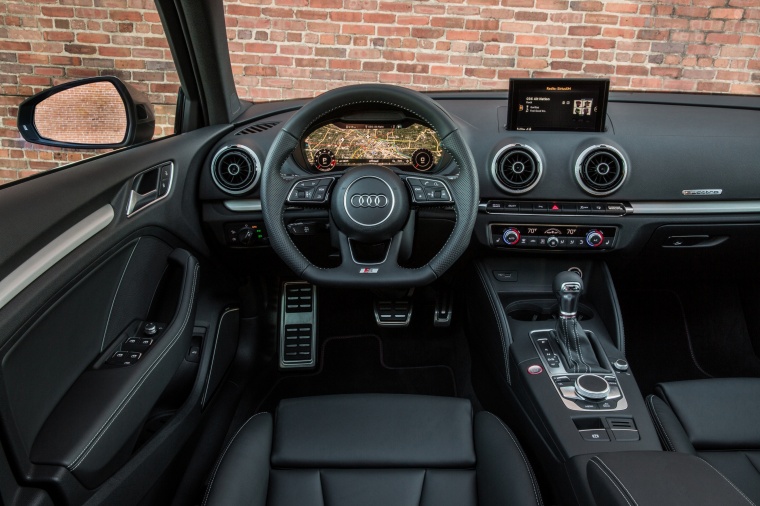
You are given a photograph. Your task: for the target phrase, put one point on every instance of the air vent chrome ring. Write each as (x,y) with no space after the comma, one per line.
(527,167)
(601,170)
(235,169)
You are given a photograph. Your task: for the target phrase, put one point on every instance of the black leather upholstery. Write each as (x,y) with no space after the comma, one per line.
(717,420)
(373,450)
(659,478)
(576,348)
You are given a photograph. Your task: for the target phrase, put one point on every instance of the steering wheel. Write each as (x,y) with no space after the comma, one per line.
(370,204)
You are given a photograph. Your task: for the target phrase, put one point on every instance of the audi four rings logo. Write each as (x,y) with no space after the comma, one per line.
(365,200)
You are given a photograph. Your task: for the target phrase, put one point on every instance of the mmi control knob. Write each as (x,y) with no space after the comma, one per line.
(511,236)
(592,387)
(594,238)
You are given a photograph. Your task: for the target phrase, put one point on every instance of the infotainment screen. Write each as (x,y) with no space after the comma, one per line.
(558,104)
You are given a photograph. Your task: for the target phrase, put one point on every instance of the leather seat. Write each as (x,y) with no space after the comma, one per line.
(717,420)
(373,450)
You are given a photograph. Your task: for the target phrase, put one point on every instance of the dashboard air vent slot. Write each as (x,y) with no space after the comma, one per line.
(600,170)
(235,169)
(517,168)
(258,127)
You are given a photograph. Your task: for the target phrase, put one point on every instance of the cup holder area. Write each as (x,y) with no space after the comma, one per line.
(541,310)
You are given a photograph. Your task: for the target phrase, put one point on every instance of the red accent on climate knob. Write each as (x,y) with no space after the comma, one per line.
(594,238)
(511,236)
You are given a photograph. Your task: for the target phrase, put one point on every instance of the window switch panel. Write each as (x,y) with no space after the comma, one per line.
(140,344)
(124,358)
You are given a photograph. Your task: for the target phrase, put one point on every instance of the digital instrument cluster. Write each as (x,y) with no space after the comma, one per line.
(339,145)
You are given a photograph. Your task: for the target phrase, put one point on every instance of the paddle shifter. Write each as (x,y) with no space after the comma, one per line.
(568,334)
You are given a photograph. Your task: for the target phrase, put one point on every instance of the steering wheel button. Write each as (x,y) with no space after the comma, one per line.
(419,193)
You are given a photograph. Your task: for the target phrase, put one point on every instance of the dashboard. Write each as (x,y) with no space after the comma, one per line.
(662,160)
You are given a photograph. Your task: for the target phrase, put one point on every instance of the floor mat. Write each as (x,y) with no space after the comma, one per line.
(657,338)
(356,364)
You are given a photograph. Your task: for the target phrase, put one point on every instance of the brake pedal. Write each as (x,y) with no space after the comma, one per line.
(393,313)
(298,326)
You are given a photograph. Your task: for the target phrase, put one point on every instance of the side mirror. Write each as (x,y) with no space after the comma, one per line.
(93,113)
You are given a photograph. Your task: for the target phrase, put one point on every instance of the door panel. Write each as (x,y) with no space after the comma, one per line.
(69,421)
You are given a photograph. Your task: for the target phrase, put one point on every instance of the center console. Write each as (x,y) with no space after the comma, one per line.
(551,329)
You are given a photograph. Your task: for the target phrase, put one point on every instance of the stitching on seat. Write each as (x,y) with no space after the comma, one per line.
(525,460)
(422,487)
(116,294)
(219,462)
(614,483)
(104,428)
(617,478)
(321,488)
(660,427)
(729,481)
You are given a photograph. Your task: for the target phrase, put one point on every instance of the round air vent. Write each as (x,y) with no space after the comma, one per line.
(235,169)
(601,170)
(517,168)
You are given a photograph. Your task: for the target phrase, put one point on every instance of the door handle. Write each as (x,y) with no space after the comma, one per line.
(150,186)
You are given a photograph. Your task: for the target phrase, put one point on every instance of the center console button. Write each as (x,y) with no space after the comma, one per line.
(586,405)
(595,435)
(568,392)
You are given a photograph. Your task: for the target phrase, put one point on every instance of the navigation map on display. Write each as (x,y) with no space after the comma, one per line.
(348,144)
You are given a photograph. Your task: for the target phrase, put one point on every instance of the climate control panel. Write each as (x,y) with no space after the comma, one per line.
(557,237)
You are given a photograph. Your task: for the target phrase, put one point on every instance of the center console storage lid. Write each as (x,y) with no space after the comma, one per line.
(659,478)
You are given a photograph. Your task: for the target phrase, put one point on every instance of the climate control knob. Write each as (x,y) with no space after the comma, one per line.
(511,236)
(594,238)
(552,242)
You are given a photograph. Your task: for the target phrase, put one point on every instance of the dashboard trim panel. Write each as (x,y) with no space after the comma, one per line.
(752,206)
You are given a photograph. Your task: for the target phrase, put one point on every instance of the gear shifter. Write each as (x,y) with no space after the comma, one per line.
(575,346)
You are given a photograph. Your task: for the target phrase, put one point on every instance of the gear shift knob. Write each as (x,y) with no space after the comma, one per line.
(568,287)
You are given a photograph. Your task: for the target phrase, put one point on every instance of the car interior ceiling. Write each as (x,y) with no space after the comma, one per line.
(563,280)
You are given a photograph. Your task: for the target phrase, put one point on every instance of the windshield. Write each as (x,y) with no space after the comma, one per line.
(286,49)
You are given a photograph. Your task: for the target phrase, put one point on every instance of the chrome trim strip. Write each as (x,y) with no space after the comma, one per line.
(243,206)
(752,206)
(26,273)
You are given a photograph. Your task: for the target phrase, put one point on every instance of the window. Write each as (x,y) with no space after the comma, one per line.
(43,44)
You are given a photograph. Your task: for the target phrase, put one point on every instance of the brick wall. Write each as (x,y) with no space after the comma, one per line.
(284,49)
